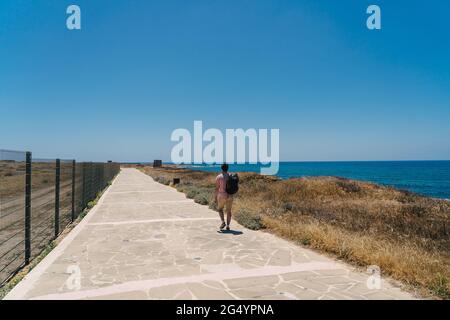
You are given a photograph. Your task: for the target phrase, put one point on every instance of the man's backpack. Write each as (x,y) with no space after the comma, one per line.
(232,183)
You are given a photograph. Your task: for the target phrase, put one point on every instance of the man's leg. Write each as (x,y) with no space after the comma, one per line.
(220,206)
(229,205)
(222,217)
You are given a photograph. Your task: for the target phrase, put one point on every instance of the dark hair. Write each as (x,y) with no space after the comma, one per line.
(224,167)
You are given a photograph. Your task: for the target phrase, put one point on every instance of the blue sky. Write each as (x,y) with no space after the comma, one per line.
(139,69)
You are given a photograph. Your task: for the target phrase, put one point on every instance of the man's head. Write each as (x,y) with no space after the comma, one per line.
(224,167)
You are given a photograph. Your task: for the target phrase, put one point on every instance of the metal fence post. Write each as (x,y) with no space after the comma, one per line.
(73,190)
(83,196)
(57,186)
(102,177)
(91,186)
(88,182)
(28,208)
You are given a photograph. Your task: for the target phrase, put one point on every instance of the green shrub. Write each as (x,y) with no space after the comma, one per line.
(440,286)
(288,206)
(91,204)
(348,186)
(162,180)
(251,221)
(191,193)
(202,198)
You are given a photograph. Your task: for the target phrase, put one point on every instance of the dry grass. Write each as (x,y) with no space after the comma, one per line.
(405,234)
(12,176)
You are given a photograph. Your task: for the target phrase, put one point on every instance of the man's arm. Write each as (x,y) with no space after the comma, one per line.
(217,189)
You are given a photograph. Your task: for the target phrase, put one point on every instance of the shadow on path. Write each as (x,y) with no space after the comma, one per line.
(233,232)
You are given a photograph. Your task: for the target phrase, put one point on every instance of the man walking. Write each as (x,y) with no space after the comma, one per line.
(223,199)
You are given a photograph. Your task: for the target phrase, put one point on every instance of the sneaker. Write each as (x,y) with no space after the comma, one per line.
(228,228)
(222,225)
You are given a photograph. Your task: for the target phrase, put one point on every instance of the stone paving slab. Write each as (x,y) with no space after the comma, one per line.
(144,240)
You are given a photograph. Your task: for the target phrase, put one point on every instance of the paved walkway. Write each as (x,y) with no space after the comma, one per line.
(145,240)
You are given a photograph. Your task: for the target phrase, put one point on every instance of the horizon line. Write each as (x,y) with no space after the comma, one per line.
(284,161)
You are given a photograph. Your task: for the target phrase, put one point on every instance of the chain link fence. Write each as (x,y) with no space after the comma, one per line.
(38,199)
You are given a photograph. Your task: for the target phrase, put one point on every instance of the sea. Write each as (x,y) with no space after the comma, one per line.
(429,178)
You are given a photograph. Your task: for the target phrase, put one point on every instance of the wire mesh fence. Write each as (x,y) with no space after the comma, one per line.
(38,199)
(12,208)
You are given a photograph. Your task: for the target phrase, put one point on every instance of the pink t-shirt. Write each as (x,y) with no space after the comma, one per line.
(221,184)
